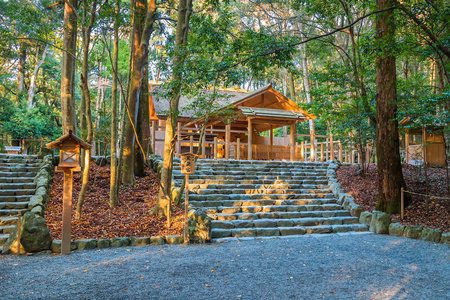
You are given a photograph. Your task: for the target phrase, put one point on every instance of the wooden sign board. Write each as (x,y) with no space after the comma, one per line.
(188,163)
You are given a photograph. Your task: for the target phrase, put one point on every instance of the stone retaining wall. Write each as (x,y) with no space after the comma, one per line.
(380,222)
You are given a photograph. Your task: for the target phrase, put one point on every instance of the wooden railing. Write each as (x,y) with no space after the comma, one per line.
(324,147)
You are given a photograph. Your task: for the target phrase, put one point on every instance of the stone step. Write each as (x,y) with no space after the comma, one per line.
(274,168)
(284,231)
(24,198)
(21,192)
(8,220)
(238,191)
(221,197)
(7,229)
(317,217)
(331,209)
(3,238)
(289,204)
(18,174)
(243,177)
(19,169)
(11,212)
(17,179)
(254,162)
(193,186)
(16,186)
(13,205)
(257,181)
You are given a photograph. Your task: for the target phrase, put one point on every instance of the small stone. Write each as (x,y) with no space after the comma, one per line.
(174,239)
(156,240)
(319,229)
(267,231)
(220,233)
(365,218)
(47,252)
(120,242)
(139,241)
(243,232)
(56,246)
(242,223)
(265,223)
(413,232)
(396,229)
(86,244)
(380,222)
(103,243)
(355,210)
(445,238)
(431,235)
(38,211)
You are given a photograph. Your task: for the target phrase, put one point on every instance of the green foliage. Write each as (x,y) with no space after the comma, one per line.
(36,123)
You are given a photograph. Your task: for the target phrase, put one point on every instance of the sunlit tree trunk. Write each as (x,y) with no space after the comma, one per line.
(32,89)
(87,97)
(164,198)
(21,70)
(390,176)
(68,112)
(114,191)
(144,14)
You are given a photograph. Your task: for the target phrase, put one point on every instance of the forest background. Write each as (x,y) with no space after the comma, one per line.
(84,65)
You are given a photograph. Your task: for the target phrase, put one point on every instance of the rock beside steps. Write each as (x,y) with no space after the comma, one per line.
(17,174)
(266,198)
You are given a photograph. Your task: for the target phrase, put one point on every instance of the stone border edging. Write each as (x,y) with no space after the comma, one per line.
(43,179)
(380,222)
(88,244)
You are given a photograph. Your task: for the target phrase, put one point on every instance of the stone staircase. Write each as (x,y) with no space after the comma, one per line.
(266,198)
(17,174)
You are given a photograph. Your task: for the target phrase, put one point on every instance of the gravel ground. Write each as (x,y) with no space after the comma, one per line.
(344,266)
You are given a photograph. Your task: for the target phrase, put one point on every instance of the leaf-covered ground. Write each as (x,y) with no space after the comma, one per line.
(131,218)
(365,192)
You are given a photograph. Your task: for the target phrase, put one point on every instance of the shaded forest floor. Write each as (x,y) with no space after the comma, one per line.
(365,192)
(131,218)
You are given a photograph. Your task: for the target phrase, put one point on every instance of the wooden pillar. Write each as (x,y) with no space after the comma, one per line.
(227,141)
(238,149)
(340,152)
(154,137)
(67,212)
(178,138)
(191,144)
(250,131)
(271,143)
(302,151)
(407,146)
(331,147)
(313,146)
(292,154)
(424,144)
(203,147)
(327,149)
(215,147)
(353,156)
(321,152)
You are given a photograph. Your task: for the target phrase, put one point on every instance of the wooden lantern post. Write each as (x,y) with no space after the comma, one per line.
(187,167)
(69,158)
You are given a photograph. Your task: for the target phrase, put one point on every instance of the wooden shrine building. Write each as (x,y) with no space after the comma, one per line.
(234,129)
(423,141)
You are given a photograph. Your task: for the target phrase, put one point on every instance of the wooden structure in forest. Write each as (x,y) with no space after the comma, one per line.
(234,129)
(423,141)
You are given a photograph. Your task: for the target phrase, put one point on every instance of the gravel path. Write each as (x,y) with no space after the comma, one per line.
(346,266)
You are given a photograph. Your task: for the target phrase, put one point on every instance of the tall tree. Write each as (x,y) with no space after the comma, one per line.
(144,17)
(68,67)
(87,98)
(390,176)
(163,203)
(113,192)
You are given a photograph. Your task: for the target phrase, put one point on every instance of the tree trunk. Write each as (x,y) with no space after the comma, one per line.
(184,14)
(312,125)
(113,191)
(87,97)
(68,112)
(390,176)
(32,88)
(139,156)
(142,29)
(21,71)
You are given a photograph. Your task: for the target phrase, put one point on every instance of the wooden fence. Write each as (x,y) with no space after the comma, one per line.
(322,149)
